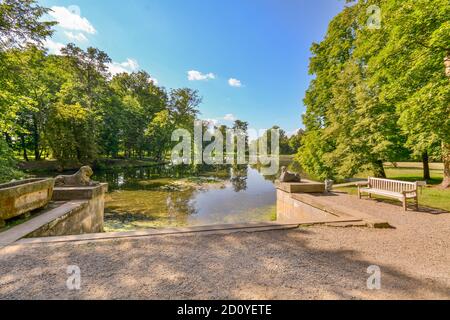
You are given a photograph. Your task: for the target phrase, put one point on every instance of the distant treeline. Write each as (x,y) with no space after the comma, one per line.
(69,107)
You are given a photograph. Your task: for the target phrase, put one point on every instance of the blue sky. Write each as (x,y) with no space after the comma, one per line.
(248,58)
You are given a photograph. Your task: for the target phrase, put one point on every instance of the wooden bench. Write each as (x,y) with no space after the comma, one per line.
(400,190)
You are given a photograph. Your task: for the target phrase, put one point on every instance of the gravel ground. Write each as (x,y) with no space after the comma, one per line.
(307,263)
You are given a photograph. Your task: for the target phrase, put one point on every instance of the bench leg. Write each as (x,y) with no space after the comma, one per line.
(417,203)
(359,193)
(405,204)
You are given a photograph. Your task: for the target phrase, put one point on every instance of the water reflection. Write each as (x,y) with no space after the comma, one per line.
(167,196)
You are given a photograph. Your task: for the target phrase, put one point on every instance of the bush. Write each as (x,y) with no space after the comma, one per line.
(8,169)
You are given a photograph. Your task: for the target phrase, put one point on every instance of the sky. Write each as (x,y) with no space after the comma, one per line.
(247,58)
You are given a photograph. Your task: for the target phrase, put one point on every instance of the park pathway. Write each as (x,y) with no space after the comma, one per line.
(308,263)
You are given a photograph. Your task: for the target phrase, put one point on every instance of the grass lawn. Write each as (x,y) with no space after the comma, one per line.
(431,197)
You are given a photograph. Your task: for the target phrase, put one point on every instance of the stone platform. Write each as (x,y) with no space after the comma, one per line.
(306,186)
(299,202)
(73,211)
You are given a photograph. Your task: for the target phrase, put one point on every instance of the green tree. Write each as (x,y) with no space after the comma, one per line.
(327,62)
(184,104)
(160,133)
(295,141)
(40,80)
(413,43)
(141,101)
(76,118)
(241,127)
(377,91)
(21,23)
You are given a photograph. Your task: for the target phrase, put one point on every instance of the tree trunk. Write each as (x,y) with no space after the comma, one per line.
(445,145)
(24,148)
(426,166)
(9,140)
(446,159)
(378,169)
(36,140)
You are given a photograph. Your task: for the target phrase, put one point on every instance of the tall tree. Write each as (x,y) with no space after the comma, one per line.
(411,66)
(78,113)
(40,80)
(295,142)
(141,102)
(377,90)
(184,104)
(21,23)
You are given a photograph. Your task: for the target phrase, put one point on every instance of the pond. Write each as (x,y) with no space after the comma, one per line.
(167,196)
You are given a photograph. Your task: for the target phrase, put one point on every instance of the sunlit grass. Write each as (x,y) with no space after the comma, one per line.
(430,196)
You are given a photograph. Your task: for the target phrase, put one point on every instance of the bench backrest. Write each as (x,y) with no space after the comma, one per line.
(392,185)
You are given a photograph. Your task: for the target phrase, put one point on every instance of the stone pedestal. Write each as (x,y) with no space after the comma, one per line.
(301,187)
(89,220)
(290,209)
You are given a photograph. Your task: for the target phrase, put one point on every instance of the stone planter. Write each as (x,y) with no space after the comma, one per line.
(19,197)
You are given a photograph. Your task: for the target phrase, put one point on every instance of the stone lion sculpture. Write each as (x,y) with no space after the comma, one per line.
(80,179)
(287,176)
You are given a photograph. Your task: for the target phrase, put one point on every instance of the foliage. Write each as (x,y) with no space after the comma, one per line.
(7,164)
(377,92)
(288,145)
(70,107)
(20,23)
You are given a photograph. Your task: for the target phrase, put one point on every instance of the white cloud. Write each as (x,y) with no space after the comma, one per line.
(235,83)
(80,37)
(230,117)
(70,19)
(293,133)
(53,47)
(194,75)
(154,80)
(128,66)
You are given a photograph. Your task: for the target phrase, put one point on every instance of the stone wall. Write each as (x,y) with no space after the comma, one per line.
(294,202)
(290,209)
(86,216)
(19,197)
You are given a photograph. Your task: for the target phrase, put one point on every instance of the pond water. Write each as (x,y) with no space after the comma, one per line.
(166,196)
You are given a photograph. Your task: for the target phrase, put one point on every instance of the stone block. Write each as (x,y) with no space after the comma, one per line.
(302,187)
(79,193)
(20,197)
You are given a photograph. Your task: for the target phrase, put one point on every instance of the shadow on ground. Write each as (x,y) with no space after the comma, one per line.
(296,264)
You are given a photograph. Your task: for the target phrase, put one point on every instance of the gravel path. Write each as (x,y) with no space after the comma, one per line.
(308,263)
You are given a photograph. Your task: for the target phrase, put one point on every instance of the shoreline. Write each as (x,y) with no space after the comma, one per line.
(101,164)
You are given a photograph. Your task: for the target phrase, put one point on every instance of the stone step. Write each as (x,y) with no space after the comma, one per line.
(23,230)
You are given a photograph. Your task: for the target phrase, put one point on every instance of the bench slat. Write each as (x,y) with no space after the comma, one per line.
(388,193)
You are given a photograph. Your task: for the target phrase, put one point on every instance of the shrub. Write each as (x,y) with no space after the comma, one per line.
(8,169)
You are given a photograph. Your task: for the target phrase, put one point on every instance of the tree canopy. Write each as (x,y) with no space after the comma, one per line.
(378,94)
(70,107)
